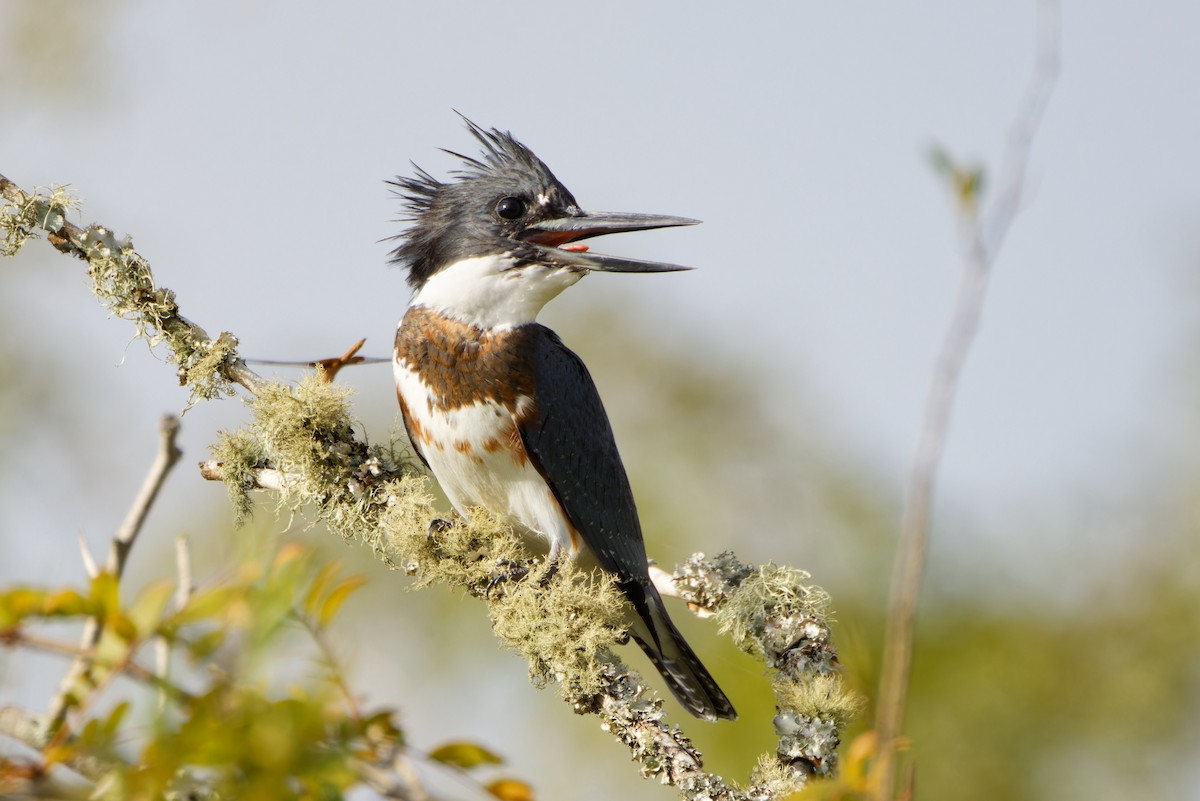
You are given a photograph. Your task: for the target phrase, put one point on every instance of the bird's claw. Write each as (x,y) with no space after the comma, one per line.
(549,575)
(512,571)
(438,526)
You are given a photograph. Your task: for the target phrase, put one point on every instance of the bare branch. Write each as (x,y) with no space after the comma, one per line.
(89,561)
(984,239)
(330,367)
(127,667)
(118,554)
(183,591)
(183,569)
(32,730)
(168,455)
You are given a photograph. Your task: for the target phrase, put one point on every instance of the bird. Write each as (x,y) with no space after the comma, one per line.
(504,415)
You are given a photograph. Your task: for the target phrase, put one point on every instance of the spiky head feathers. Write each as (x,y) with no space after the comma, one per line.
(468,215)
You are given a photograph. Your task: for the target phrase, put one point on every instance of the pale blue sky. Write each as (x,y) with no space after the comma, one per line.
(795,131)
(244,145)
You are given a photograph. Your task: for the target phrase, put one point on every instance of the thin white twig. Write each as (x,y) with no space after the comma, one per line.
(183,591)
(984,239)
(89,562)
(267,478)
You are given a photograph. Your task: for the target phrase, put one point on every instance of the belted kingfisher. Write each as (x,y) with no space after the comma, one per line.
(503,414)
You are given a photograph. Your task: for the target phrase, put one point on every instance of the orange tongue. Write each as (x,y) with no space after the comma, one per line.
(574,247)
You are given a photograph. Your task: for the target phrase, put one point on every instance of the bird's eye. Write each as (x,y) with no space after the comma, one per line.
(511,208)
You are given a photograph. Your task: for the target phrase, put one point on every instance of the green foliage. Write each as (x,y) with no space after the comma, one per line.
(237,735)
(252,746)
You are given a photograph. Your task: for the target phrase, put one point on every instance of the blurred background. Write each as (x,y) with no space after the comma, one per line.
(766,402)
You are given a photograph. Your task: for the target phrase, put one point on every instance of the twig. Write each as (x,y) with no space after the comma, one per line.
(332,664)
(89,561)
(168,456)
(183,591)
(183,568)
(118,554)
(984,240)
(329,367)
(32,642)
(266,478)
(29,728)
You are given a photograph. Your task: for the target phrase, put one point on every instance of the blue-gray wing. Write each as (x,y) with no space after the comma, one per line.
(569,440)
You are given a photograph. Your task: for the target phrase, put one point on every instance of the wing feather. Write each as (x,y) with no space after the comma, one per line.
(570,442)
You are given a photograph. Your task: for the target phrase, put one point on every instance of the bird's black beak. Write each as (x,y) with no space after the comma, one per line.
(561,232)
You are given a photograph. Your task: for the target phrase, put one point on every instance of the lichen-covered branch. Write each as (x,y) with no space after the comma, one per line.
(568,629)
(122,280)
(302,444)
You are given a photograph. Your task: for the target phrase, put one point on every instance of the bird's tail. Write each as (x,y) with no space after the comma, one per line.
(685,675)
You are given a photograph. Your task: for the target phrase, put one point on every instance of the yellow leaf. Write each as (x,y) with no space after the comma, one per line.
(319,585)
(19,603)
(511,790)
(65,603)
(208,605)
(338,596)
(464,755)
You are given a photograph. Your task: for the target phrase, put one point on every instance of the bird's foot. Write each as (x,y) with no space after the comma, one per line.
(438,526)
(512,571)
(549,575)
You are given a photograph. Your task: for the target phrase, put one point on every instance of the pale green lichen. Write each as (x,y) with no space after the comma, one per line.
(772,779)
(240,455)
(306,434)
(20,220)
(563,627)
(764,612)
(819,696)
(201,368)
(467,555)
(124,283)
(773,613)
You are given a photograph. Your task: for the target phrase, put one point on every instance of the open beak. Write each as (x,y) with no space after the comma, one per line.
(560,233)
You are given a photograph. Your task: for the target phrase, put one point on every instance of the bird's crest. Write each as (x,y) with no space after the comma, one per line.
(502,157)
(504,166)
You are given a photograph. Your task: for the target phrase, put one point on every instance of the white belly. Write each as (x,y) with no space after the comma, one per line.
(477,456)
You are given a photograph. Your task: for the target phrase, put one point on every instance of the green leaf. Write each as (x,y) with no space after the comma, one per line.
(106,595)
(464,755)
(146,611)
(209,605)
(206,644)
(381,727)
